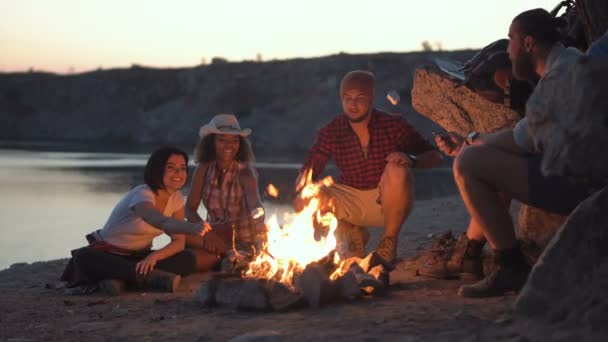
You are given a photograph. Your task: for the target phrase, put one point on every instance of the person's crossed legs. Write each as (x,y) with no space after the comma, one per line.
(482,173)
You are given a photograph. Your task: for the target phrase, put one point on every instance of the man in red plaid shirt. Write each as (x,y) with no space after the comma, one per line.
(374,152)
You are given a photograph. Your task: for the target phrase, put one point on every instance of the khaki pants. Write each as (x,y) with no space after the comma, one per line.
(358,207)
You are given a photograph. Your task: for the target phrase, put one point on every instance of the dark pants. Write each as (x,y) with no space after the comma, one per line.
(556,194)
(97,265)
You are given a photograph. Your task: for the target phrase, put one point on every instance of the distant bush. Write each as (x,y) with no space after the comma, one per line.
(218,60)
(428,46)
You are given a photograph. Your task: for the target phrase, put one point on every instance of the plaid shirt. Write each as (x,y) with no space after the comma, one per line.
(387,133)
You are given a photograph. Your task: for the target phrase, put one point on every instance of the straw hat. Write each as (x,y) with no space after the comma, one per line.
(223,124)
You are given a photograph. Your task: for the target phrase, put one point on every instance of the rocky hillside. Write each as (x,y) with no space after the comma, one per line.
(284,102)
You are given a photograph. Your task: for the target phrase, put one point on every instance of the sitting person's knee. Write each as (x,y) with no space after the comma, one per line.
(396,175)
(464,163)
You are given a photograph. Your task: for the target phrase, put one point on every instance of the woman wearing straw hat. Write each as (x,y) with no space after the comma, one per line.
(225,181)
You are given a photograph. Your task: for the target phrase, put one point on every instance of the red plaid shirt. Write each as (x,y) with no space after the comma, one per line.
(387,133)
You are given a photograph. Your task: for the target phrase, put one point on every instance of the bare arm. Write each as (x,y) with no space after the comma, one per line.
(177,244)
(195,195)
(169,225)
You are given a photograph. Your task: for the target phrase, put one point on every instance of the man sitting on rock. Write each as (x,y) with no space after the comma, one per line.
(491,168)
(374,152)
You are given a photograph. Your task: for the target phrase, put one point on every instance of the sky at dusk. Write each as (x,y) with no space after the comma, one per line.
(79,35)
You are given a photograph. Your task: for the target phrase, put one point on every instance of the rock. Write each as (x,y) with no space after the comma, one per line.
(206,293)
(372,260)
(458,109)
(252,296)
(228,292)
(282,298)
(537,226)
(260,336)
(314,284)
(379,272)
(346,265)
(193,282)
(366,280)
(570,280)
(348,285)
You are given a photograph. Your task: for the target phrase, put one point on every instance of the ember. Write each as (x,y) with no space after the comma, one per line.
(272,191)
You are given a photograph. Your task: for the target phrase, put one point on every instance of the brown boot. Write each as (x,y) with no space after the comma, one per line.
(387,249)
(159,280)
(509,275)
(450,260)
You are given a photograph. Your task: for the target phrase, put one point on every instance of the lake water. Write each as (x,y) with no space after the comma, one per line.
(50,200)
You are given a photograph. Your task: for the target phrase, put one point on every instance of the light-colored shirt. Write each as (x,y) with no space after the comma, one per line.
(559,58)
(126,230)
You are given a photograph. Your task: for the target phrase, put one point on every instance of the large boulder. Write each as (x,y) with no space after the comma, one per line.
(457,108)
(569,283)
(537,226)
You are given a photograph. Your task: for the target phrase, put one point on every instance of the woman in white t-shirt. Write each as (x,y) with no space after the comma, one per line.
(120,253)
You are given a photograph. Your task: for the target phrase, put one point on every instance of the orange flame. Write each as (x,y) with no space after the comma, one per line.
(272,190)
(291,247)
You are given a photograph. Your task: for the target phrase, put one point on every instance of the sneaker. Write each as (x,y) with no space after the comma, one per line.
(387,249)
(112,287)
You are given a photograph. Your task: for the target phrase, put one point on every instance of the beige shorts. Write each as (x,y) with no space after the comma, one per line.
(358,207)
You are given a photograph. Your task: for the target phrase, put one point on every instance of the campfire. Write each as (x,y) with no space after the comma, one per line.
(299,265)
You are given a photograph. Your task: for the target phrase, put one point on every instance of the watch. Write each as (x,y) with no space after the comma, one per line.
(471,138)
(413,159)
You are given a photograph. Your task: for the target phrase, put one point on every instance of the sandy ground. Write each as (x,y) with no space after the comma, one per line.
(33,306)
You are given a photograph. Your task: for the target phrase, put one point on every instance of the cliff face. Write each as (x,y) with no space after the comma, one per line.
(284,102)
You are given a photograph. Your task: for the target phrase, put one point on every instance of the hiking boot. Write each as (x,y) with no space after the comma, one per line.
(387,249)
(159,280)
(112,287)
(449,259)
(351,240)
(509,275)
